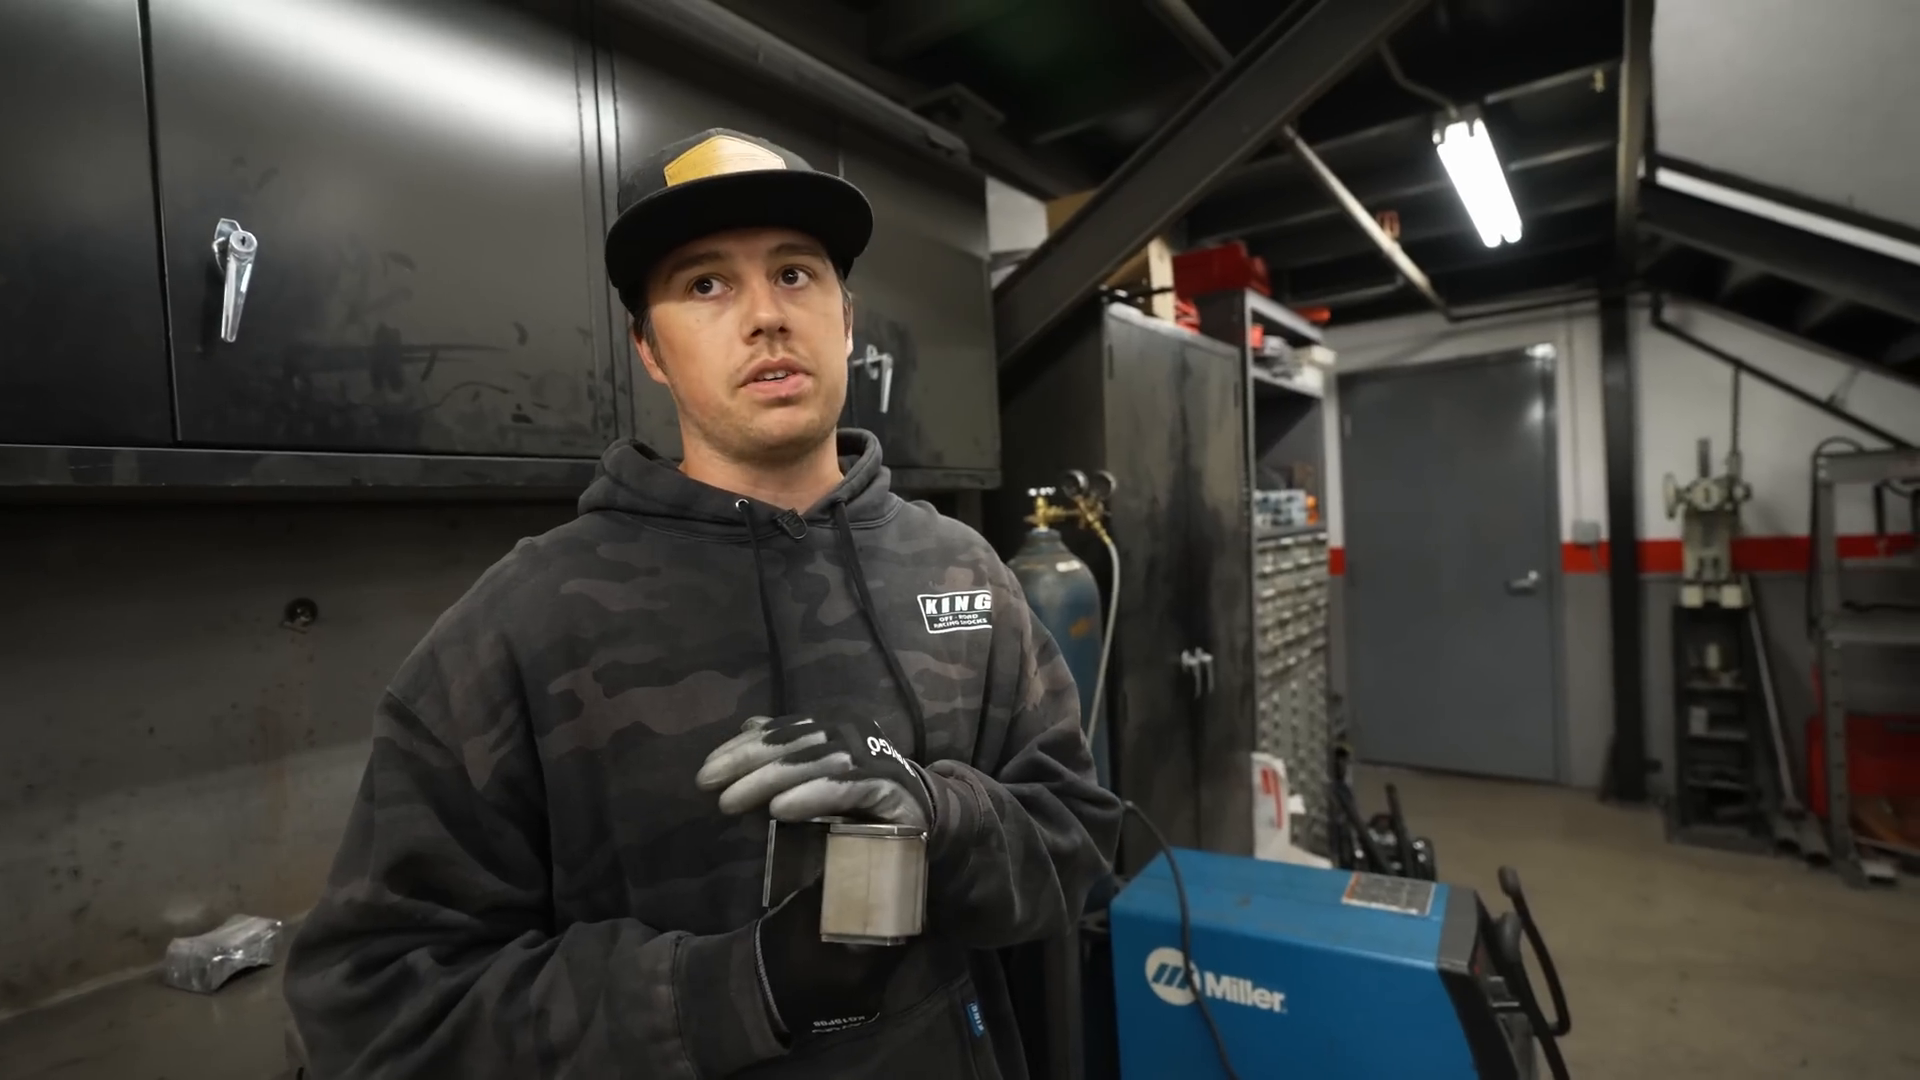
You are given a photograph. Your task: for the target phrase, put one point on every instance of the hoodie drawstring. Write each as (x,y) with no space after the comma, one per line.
(851,553)
(777,666)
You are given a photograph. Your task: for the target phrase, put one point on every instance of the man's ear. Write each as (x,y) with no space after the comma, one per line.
(846,316)
(647,359)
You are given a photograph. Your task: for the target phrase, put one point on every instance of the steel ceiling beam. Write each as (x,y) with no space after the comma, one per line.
(795,44)
(1416,125)
(1635,76)
(1295,205)
(721,35)
(1410,271)
(1194,33)
(966,114)
(1891,285)
(1088,106)
(1292,63)
(903,29)
(1575,234)
(1664,325)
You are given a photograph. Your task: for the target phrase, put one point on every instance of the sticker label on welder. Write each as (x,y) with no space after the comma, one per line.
(947,612)
(1403,896)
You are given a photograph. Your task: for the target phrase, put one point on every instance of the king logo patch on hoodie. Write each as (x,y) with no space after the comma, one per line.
(948,612)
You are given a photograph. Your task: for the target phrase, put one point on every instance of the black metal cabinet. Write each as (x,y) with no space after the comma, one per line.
(417,177)
(1165,411)
(82,349)
(923,307)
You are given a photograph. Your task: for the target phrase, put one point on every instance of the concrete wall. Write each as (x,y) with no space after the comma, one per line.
(1683,395)
(173,753)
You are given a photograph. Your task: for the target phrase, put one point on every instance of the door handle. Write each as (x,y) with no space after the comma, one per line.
(233,251)
(1525,585)
(877,365)
(1198,665)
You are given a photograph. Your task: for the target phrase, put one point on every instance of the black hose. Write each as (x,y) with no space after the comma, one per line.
(1548,1035)
(1401,838)
(1186,937)
(1369,851)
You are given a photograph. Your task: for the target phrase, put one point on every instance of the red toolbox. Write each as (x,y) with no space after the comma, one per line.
(1883,758)
(1229,266)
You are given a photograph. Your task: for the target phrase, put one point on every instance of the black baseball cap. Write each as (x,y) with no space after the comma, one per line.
(719,180)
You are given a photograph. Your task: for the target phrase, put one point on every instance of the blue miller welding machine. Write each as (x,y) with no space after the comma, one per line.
(1312,974)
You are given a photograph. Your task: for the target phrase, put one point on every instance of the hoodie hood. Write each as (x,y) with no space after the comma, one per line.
(636,479)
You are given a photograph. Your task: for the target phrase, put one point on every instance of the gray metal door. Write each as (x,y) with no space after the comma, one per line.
(1452,540)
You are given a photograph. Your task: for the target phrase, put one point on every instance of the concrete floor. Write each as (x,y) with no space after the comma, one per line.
(1678,962)
(141,1030)
(1683,962)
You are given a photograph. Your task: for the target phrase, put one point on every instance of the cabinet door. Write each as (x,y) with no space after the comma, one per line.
(921,296)
(427,225)
(83,356)
(1147,445)
(1216,488)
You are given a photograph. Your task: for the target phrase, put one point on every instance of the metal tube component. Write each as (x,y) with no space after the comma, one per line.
(875,886)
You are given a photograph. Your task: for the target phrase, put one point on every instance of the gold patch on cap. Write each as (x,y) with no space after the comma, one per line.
(719,155)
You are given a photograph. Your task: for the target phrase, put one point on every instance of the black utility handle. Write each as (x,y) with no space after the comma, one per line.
(1369,851)
(1504,950)
(1510,884)
(1401,838)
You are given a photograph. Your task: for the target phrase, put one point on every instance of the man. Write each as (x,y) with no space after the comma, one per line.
(554,865)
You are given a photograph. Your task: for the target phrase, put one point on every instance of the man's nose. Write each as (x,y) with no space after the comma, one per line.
(766,314)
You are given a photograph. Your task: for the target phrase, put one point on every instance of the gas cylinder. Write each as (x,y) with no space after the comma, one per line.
(1065,598)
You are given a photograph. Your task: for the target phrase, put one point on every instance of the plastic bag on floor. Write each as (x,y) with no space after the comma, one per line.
(204,963)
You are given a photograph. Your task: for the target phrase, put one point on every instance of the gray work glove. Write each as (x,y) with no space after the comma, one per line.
(801,768)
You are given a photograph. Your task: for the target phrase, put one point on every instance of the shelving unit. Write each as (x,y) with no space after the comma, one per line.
(1842,628)
(1724,769)
(1290,669)
(1290,570)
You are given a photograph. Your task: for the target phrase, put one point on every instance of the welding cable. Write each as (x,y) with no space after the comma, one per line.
(1186,937)
(1113,616)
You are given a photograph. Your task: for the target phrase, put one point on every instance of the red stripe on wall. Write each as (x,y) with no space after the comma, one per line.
(1751,554)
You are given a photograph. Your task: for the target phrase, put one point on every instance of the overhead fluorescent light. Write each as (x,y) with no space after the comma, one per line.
(1467,152)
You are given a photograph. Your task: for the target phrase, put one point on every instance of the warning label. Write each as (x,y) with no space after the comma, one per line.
(1402,895)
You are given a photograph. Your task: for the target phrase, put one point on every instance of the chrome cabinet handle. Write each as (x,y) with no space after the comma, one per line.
(1525,586)
(1198,664)
(233,251)
(877,365)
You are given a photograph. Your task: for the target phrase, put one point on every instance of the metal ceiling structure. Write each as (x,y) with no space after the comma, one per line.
(1056,96)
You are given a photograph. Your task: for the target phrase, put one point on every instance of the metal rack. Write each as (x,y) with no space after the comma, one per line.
(1841,629)
(1290,666)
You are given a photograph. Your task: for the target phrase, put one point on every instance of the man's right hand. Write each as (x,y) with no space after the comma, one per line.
(816,987)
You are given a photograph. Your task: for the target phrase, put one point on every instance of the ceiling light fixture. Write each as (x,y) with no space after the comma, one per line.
(1466,150)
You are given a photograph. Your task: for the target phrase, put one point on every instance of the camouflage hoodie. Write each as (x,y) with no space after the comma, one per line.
(531,886)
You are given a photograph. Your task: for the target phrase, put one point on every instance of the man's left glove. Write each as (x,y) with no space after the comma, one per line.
(801,768)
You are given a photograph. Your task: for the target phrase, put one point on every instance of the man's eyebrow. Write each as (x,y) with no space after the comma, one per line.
(800,247)
(690,261)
